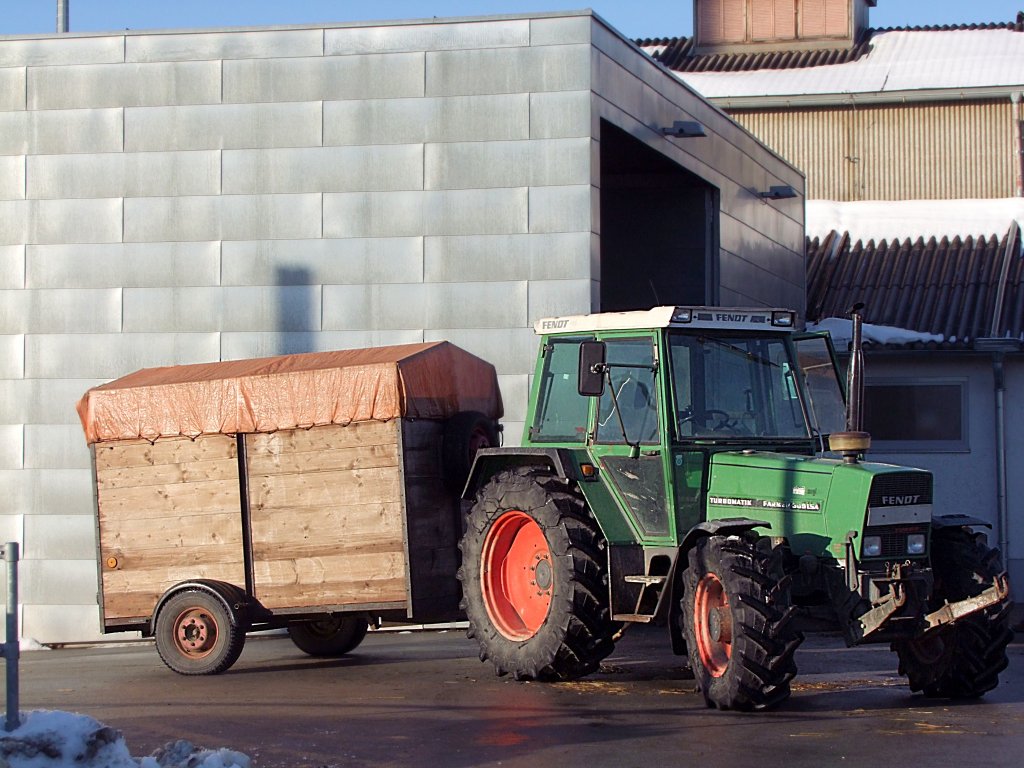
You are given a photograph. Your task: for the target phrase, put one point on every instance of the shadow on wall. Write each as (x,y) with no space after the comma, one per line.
(298,312)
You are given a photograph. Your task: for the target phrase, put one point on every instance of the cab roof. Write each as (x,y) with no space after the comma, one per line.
(710,318)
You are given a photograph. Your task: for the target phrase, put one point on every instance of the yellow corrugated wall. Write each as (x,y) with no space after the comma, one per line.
(935,151)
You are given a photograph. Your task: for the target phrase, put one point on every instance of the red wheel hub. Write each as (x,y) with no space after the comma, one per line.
(516,575)
(195,633)
(712,621)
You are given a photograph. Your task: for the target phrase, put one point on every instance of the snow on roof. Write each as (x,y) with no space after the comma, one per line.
(841,330)
(899,60)
(898,220)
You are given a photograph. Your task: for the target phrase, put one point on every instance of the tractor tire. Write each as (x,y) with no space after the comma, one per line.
(465,433)
(738,622)
(533,578)
(964,660)
(334,636)
(197,633)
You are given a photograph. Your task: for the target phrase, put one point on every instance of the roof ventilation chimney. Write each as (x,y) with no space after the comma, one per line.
(745,26)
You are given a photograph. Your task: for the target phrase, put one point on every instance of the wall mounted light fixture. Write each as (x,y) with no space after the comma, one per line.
(685,129)
(778,192)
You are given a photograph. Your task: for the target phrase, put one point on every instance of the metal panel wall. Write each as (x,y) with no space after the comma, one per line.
(948,150)
(61,131)
(12,88)
(124,85)
(761,248)
(184,197)
(223,126)
(121,265)
(406,121)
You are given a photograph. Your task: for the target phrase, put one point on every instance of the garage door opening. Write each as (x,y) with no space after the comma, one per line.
(659,228)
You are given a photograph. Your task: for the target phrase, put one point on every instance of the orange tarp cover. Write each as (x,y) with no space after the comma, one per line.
(425,381)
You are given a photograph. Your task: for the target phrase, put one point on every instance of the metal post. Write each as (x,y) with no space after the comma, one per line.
(999,376)
(63,12)
(11,646)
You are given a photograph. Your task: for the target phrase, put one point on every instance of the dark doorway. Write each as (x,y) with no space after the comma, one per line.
(659,228)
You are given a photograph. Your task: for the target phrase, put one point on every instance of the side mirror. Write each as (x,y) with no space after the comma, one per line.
(591,376)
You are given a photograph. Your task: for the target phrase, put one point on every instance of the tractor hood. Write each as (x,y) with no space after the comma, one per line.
(814,501)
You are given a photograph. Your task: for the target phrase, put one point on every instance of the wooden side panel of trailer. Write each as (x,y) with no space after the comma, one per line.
(167,512)
(326,515)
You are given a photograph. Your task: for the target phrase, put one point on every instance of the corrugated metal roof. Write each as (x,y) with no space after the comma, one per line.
(884,60)
(677,53)
(961,289)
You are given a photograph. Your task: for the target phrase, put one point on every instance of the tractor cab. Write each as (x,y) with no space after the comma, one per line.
(653,395)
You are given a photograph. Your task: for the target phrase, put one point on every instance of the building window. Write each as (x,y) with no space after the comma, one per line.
(916,416)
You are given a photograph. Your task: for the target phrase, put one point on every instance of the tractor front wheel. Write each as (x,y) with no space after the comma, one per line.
(737,623)
(532,578)
(964,660)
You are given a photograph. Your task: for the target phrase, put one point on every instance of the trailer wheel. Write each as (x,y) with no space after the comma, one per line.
(198,634)
(465,433)
(737,623)
(533,572)
(334,636)
(963,661)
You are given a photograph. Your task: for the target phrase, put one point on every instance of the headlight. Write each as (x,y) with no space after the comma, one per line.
(915,544)
(872,546)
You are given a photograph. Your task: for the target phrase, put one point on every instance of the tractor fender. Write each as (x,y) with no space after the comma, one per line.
(958,521)
(234,599)
(490,461)
(726,526)
(668,601)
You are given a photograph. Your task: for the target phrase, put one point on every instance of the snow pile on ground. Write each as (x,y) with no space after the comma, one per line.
(841,330)
(53,739)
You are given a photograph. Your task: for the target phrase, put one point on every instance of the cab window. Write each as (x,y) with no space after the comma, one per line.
(561,411)
(633,382)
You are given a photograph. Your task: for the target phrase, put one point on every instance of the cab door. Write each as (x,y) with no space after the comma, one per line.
(628,443)
(823,382)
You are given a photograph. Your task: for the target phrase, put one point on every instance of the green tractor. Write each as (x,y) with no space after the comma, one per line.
(698,467)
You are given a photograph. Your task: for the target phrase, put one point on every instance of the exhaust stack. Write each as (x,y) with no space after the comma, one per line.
(854,441)
(855,374)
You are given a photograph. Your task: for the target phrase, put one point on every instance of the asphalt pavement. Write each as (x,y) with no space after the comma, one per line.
(424,699)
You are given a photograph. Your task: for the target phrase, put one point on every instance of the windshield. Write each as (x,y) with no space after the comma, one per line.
(735,386)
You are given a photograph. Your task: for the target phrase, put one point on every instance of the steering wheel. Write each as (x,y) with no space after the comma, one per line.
(725,420)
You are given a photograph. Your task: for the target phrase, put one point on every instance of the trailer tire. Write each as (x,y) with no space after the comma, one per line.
(963,661)
(198,633)
(333,636)
(533,578)
(738,622)
(465,433)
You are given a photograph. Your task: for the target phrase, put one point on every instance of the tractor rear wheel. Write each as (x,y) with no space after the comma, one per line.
(737,623)
(963,661)
(334,636)
(533,571)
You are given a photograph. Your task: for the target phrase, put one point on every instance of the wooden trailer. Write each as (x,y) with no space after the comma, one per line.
(317,492)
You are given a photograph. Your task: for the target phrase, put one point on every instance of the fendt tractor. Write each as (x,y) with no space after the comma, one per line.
(699,467)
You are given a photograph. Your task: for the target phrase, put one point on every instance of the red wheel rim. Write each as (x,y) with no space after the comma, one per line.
(516,576)
(713,624)
(195,633)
